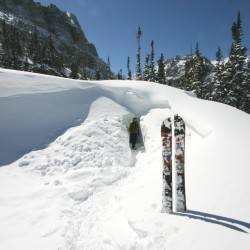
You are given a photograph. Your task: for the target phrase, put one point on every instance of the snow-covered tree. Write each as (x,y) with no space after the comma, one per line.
(146,72)
(235,74)
(218,90)
(198,73)
(195,73)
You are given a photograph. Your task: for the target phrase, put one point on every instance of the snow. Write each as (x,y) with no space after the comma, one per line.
(70,17)
(9,18)
(85,189)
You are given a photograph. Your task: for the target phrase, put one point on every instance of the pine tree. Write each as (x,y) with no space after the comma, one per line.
(146,73)
(74,71)
(11,48)
(197,50)
(152,74)
(16,50)
(3,42)
(200,73)
(58,62)
(235,74)
(219,56)
(35,47)
(161,76)
(129,70)
(195,73)
(246,106)
(218,93)
(138,55)
(109,73)
(8,50)
(84,74)
(119,75)
(26,66)
(1,54)
(51,51)
(97,75)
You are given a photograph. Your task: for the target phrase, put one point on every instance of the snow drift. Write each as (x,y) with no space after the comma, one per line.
(85,189)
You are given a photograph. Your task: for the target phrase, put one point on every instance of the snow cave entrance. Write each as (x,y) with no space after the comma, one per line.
(140,138)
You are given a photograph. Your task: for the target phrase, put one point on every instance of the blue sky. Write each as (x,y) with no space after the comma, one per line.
(173,24)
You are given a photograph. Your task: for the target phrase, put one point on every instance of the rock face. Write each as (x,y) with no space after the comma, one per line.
(175,69)
(63,28)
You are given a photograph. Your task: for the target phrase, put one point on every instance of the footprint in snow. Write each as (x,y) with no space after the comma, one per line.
(23,163)
(141,233)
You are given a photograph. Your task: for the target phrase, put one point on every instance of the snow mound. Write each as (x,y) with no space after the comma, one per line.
(101,141)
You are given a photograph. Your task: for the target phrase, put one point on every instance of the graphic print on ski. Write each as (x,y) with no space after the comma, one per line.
(179,133)
(166,135)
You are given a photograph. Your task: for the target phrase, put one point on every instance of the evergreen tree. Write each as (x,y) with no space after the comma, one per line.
(119,75)
(58,62)
(46,53)
(138,55)
(35,47)
(4,45)
(200,74)
(7,46)
(193,72)
(11,47)
(196,71)
(97,75)
(74,71)
(146,73)
(152,74)
(51,51)
(84,74)
(188,74)
(129,70)
(235,75)
(246,106)
(16,50)
(1,54)
(161,76)
(26,66)
(197,50)
(109,73)
(218,93)
(219,56)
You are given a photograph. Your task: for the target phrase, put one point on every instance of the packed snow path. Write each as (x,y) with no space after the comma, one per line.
(86,191)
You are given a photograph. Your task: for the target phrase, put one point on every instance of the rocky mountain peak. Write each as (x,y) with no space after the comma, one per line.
(62,27)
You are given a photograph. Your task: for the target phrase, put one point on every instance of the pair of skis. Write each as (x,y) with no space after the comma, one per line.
(179,139)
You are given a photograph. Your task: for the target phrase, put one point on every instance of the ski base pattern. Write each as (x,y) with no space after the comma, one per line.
(166,135)
(179,133)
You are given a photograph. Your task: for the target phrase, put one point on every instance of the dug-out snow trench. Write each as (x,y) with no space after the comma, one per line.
(32,121)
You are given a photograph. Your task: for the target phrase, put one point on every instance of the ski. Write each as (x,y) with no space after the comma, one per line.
(166,135)
(179,133)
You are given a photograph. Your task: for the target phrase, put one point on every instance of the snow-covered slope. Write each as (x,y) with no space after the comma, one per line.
(85,189)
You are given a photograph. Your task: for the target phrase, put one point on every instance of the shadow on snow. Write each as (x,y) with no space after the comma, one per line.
(217,219)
